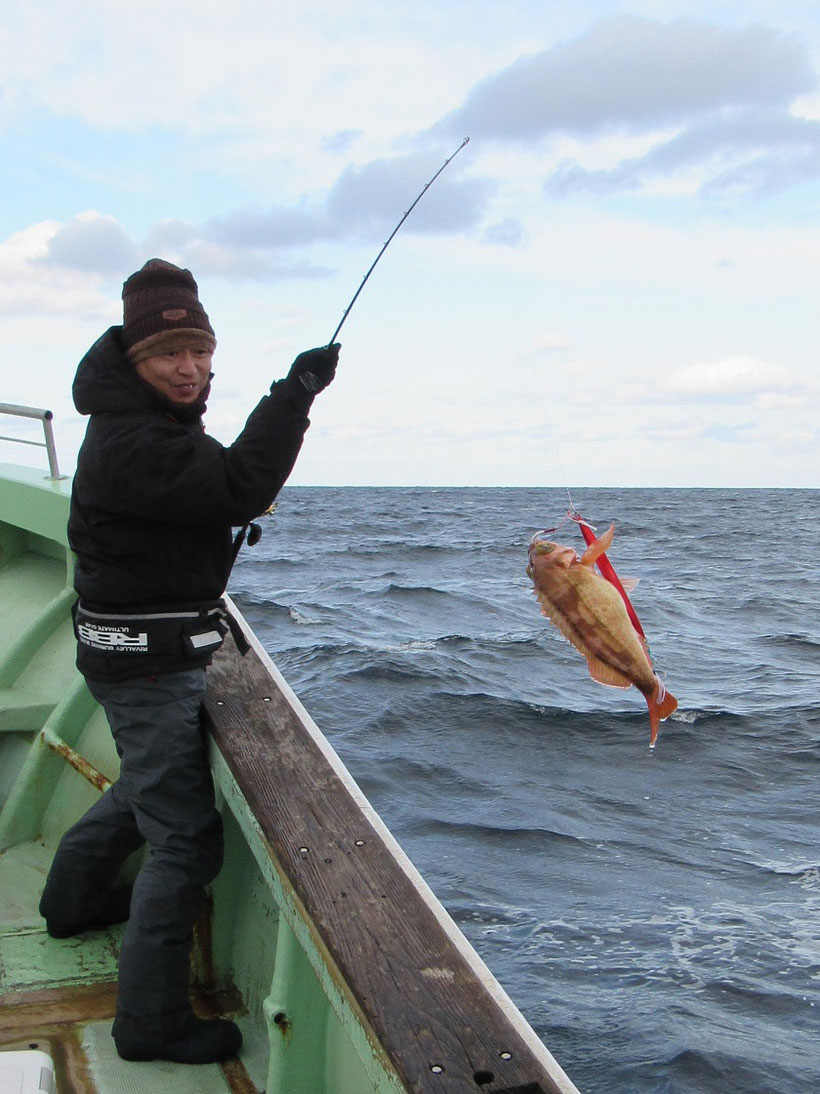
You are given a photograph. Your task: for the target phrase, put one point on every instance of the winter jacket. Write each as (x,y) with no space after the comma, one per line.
(154,499)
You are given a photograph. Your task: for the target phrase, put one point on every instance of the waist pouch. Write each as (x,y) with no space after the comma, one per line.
(122,646)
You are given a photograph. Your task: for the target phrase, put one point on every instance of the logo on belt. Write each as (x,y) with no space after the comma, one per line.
(112,638)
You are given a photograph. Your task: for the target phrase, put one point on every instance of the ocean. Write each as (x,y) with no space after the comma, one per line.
(655,914)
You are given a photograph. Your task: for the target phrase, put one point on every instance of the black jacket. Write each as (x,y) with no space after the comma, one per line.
(154,498)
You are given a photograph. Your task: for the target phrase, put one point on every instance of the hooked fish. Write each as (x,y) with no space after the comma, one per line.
(590,612)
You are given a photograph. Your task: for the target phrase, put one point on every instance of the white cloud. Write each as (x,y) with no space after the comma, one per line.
(91,242)
(733,152)
(281,143)
(732,378)
(634,72)
(714,97)
(29,284)
(365,202)
(287,86)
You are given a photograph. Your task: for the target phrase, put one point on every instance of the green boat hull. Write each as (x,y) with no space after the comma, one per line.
(321,940)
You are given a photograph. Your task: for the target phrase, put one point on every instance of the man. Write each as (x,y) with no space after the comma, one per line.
(153,505)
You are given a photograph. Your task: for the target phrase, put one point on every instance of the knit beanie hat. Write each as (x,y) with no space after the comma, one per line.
(158,300)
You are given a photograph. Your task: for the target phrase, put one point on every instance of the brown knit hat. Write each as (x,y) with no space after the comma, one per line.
(158,300)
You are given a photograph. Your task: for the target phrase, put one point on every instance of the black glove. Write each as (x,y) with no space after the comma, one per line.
(314,369)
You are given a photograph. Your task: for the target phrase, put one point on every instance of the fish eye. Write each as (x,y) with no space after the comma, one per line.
(544,548)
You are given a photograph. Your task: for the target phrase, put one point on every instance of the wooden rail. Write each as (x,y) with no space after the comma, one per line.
(432,1005)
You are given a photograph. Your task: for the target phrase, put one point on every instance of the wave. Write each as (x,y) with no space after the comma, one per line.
(807,874)
(799,642)
(694,715)
(441,675)
(716,1072)
(258,605)
(386,671)
(527,794)
(395,589)
(521,839)
(747,997)
(504,644)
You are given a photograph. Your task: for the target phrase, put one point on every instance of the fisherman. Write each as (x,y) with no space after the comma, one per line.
(153,506)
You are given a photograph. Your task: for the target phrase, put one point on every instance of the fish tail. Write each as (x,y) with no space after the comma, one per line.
(661,704)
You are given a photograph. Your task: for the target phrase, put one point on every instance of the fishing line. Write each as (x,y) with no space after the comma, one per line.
(588,531)
(387,243)
(549,426)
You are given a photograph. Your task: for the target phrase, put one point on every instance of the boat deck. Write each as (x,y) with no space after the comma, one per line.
(342,969)
(58,995)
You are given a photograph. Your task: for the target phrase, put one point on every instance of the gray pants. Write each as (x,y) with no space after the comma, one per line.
(165,797)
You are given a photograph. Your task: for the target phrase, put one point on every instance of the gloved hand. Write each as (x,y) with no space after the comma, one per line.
(315,368)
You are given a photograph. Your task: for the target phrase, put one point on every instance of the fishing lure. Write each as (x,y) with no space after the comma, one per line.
(608,571)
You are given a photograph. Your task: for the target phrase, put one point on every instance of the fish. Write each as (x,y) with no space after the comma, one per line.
(590,612)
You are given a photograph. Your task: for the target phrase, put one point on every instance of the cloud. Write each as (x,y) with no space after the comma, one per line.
(54,267)
(508,232)
(372,196)
(635,73)
(733,379)
(787,155)
(742,433)
(716,98)
(740,151)
(32,284)
(91,242)
(364,203)
(341,142)
(278,226)
(235,263)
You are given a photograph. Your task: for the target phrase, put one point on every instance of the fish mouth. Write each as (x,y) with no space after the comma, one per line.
(541,546)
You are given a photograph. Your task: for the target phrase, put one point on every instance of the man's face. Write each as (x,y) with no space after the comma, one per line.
(180,373)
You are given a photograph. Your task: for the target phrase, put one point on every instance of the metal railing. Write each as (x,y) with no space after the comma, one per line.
(45,417)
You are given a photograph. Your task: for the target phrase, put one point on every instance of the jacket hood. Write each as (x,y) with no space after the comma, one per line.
(107,382)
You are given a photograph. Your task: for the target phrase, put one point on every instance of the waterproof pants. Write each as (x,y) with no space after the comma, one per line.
(164,797)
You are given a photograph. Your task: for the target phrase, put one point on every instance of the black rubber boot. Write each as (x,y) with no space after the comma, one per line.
(202,1042)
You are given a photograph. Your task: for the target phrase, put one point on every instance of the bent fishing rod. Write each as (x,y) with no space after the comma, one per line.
(389,239)
(252,530)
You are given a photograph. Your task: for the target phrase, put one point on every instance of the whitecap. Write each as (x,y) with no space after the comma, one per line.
(301,619)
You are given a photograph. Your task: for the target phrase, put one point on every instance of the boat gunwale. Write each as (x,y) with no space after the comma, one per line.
(406,1007)
(247,707)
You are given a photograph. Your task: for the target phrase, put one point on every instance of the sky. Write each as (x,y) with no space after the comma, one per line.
(614,283)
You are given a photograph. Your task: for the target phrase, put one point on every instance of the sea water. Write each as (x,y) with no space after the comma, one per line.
(655,914)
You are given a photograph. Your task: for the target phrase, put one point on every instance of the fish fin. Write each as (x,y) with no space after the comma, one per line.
(598,547)
(661,704)
(630,584)
(603,673)
(599,670)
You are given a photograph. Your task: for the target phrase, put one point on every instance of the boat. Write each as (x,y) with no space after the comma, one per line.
(320,938)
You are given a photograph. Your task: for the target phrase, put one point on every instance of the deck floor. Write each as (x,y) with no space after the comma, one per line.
(59,995)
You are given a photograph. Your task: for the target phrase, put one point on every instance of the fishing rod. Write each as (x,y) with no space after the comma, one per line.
(427,186)
(255,531)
